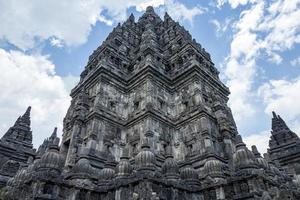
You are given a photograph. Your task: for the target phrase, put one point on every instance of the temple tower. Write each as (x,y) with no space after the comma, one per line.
(149,120)
(150,79)
(16,147)
(284,146)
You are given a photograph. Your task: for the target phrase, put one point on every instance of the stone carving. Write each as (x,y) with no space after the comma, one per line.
(16,147)
(148,120)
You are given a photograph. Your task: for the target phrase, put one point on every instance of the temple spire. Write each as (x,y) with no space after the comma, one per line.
(278,124)
(280,133)
(274,115)
(26,116)
(149,17)
(54,140)
(239,142)
(150,9)
(255,151)
(20,132)
(131,18)
(54,134)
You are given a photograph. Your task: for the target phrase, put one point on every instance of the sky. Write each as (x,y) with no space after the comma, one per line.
(255,44)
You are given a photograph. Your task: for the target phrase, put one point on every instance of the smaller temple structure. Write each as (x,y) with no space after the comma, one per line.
(16,148)
(284,147)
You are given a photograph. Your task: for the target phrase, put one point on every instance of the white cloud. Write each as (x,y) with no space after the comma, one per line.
(221,27)
(234,3)
(260,140)
(25,23)
(180,12)
(296,62)
(143,5)
(70,81)
(56,42)
(220,3)
(240,68)
(274,58)
(282,25)
(280,96)
(31,80)
(264,29)
(283,97)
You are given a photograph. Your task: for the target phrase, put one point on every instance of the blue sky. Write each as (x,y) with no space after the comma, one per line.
(44,46)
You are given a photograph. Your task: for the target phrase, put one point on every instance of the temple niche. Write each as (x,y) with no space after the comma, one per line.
(148,120)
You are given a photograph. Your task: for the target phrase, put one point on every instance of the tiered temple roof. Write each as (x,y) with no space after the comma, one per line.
(149,120)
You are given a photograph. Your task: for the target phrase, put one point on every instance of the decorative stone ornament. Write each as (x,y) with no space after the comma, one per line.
(189,175)
(170,167)
(148,85)
(51,161)
(243,158)
(145,160)
(262,163)
(83,169)
(214,168)
(124,168)
(108,172)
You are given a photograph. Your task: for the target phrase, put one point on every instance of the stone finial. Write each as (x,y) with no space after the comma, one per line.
(124,167)
(150,9)
(239,142)
(26,116)
(274,114)
(145,160)
(53,141)
(131,18)
(27,112)
(52,159)
(170,167)
(166,16)
(255,151)
(243,158)
(54,133)
(238,139)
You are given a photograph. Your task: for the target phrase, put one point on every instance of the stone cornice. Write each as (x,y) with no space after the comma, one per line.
(150,71)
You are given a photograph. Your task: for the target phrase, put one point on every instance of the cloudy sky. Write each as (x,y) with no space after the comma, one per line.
(44,45)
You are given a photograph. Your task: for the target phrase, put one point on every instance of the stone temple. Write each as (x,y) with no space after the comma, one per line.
(148,121)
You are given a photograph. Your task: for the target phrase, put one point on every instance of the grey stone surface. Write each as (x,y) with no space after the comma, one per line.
(149,121)
(16,148)
(284,148)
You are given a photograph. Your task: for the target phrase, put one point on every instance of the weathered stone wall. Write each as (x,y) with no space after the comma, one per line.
(149,120)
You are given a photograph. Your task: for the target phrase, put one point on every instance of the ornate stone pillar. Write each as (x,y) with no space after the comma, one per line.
(229,147)
(71,155)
